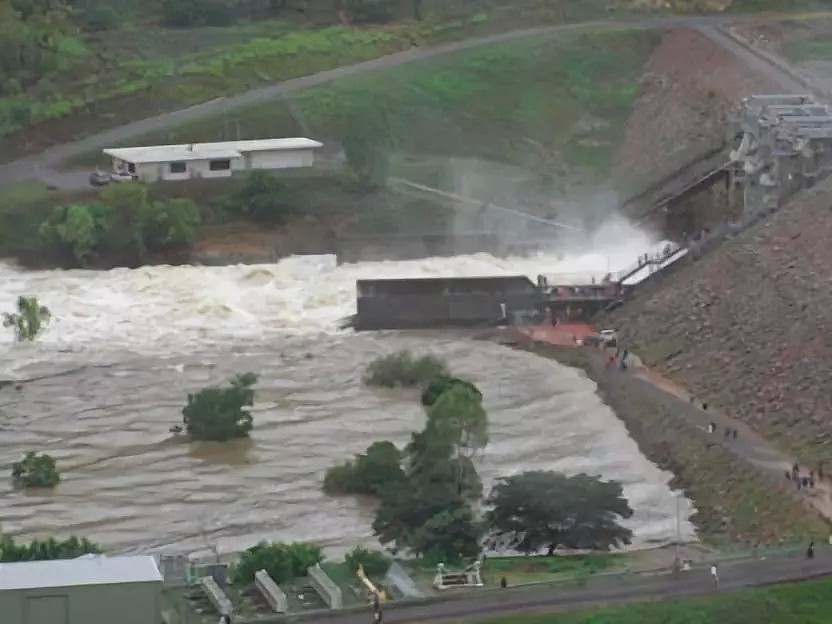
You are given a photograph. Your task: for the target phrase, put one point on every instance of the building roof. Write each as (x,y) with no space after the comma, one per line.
(97,570)
(207,151)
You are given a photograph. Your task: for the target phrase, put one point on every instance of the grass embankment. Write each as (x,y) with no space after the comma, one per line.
(555,105)
(735,504)
(807,603)
(815,49)
(139,68)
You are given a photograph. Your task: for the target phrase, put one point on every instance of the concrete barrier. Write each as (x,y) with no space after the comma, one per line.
(275,596)
(401,585)
(216,596)
(329,592)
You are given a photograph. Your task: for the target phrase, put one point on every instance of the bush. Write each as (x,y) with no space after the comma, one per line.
(403,369)
(370,474)
(36,471)
(98,15)
(282,561)
(217,414)
(218,13)
(375,563)
(180,13)
(370,11)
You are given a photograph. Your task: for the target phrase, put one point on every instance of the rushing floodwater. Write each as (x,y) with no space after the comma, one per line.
(111,374)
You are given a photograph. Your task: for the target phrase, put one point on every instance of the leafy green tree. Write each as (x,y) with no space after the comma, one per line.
(375,563)
(163,224)
(36,471)
(402,368)
(282,561)
(261,198)
(127,197)
(452,534)
(370,11)
(29,319)
(370,473)
(368,140)
(219,414)
(440,384)
(45,550)
(81,227)
(551,509)
(458,416)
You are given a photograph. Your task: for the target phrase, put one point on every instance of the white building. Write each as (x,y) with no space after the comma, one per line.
(212,160)
(88,590)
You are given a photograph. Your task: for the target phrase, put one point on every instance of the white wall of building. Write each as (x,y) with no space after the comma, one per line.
(280,159)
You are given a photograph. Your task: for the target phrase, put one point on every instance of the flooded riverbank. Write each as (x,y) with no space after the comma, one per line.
(112,372)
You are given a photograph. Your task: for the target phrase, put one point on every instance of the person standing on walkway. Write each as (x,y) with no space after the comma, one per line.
(810,552)
(715,576)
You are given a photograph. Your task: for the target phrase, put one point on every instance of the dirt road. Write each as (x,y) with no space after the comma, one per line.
(45,166)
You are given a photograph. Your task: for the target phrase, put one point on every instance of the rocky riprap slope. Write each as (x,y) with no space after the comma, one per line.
(748,327)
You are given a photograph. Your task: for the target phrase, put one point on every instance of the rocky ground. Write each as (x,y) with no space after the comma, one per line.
(688,89)
(748,327)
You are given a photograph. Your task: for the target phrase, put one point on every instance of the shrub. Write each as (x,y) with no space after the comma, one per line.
(218,414)
(218,13)
(370,473)
(403,369)
(180,13)
(375,563)
(36,471)
(282,561)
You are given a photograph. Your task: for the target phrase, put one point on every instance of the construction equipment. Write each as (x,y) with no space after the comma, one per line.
(372,590)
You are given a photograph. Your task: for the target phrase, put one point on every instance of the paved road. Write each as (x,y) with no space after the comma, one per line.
(44,166)
(598,591)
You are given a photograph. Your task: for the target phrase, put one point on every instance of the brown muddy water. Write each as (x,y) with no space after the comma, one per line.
(110,376)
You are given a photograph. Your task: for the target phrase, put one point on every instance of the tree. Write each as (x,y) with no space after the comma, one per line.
(370,473)
(218,414)
(163,224)
(402,368)
(370,11)
(551,509)
(261,198)
(81,227)
(45,550)
(29,319)
(127,197)
(458,416)
(450,535)
(368,140)
(282,561)
(440,384)
(36,471)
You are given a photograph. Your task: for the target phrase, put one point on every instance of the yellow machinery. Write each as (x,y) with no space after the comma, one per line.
(372,589)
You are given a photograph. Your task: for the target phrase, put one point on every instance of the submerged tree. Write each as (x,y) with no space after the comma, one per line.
(29,319)
(378,468)
(549,509)
(36,471)
(219,414)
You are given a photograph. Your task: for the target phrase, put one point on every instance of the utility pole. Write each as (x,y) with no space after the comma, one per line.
(678,526)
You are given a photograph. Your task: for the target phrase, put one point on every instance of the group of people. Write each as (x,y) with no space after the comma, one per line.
(803,481)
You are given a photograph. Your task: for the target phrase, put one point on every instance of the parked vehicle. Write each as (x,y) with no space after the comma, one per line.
(99,178)
(123,176)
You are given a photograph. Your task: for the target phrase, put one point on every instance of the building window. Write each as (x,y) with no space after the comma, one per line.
(178,167)
(131,167)
(220,165)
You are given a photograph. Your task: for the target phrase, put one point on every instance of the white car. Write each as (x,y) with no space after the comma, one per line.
(123,176)
(609,336)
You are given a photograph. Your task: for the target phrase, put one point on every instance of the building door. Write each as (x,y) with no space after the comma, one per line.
(47,610)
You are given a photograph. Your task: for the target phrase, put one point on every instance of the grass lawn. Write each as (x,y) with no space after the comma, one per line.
(554,105)
(809,602)
(518,570)
(819,48)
